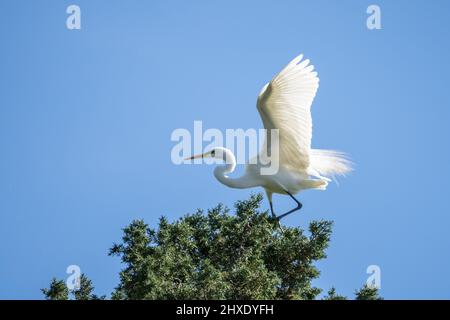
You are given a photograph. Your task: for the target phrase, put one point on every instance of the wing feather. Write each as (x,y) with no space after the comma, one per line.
(285,104)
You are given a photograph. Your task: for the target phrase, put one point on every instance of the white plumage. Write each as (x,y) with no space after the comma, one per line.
(285,104)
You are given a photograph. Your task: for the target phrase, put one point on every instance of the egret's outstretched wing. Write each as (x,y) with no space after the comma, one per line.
(284,103)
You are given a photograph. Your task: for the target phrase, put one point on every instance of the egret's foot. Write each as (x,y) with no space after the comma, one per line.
(275,219)
(299,206)
(280,227)
(281,216)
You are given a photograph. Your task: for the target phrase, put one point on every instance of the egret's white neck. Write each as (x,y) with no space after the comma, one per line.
(221,171)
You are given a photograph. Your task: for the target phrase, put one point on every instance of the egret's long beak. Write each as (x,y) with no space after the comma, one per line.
(195,157)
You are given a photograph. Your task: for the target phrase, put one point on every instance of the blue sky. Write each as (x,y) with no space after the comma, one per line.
(86,117)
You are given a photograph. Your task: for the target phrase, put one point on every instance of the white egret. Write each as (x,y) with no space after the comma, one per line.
(285,104)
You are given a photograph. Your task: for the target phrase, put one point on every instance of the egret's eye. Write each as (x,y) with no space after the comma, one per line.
(213,153)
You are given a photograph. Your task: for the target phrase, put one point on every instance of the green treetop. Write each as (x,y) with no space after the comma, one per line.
(217,255)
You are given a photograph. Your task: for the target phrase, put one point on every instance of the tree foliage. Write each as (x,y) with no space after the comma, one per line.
(333,295)
(367,293)
(57,290)
(217,255)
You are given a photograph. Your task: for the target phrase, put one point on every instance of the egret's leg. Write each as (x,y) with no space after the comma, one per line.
(269,197)
(299,206)
(274,216)
(271,210)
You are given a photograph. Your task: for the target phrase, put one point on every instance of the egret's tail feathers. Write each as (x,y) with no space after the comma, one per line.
(318,184)
(330,163)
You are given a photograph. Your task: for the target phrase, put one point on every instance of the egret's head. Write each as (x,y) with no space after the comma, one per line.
(218,153)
